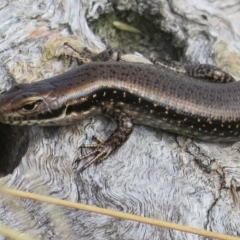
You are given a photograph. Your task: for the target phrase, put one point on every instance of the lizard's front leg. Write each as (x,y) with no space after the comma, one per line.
(103,149)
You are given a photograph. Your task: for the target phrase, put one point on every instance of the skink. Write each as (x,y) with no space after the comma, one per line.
(130,94)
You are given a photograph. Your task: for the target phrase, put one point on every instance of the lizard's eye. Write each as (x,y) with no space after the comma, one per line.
(30,106)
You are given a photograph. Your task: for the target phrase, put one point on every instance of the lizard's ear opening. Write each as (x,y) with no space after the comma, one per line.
(69,110)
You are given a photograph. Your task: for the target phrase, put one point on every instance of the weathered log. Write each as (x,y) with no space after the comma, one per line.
(155,174)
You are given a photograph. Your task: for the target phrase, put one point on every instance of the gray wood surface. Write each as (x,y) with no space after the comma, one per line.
(155,174)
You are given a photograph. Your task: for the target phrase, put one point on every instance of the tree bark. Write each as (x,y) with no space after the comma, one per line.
(155,174)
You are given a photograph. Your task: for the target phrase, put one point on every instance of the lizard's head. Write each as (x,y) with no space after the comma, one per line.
(27,104)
